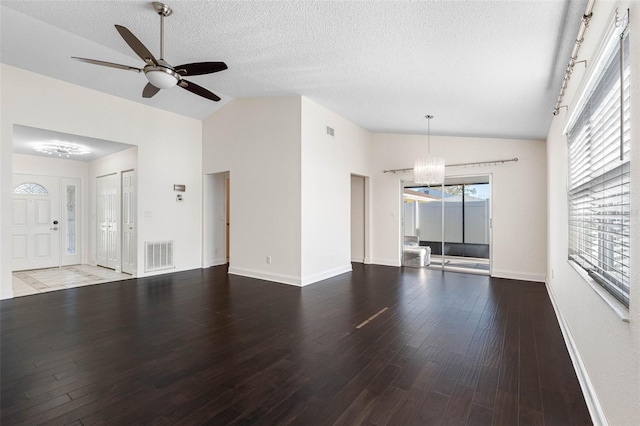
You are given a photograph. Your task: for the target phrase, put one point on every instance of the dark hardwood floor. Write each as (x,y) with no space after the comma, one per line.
(204,347)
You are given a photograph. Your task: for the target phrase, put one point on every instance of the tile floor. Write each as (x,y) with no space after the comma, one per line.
(37,281)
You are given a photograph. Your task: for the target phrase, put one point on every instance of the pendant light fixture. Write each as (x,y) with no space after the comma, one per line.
(428,170)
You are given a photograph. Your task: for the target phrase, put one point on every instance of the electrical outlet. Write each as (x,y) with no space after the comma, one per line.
(269,260)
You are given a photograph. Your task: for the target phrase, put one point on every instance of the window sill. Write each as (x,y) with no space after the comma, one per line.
(611,301)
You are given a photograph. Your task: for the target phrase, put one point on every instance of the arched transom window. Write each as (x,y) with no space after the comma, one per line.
(30,188)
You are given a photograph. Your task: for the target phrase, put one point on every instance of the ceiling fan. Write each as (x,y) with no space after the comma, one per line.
(160,74)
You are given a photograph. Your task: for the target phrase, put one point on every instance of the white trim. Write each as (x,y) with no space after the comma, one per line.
(310,279)
(267,276)
(611,301)
(591,398)
(219,261)
(516,275)
(367,261)
(190,267)
(386,262)
(357,259)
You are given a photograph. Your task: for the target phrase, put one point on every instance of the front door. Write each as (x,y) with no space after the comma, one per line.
(36,222)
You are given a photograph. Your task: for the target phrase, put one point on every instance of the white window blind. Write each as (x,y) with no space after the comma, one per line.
(599,144)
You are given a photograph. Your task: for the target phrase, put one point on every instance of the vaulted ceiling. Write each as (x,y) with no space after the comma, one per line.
(482,68)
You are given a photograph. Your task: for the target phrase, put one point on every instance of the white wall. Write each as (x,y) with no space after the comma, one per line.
(518,191)
(258,142)
(290,186)
(605,349)
(111,164)
(169,151)
(327,165)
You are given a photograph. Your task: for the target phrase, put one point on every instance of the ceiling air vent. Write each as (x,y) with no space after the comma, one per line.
(330,131)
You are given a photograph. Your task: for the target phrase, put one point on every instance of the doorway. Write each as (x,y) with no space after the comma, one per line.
(358,218)
(46,229)
(216,216)
(453,220)
(116,221)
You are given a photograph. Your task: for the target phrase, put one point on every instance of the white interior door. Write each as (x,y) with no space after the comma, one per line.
(36,227)
(107,214)
(128,222)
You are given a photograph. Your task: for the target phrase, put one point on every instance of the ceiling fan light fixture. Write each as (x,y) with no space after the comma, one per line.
(162,78)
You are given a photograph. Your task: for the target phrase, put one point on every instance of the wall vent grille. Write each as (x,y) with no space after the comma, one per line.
(330,131)
(158,255)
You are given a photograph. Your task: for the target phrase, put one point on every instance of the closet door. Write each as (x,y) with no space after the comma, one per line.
(107,221)
(128,222)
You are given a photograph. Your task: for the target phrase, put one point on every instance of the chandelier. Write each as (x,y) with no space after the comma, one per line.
(428,170)
(61,149)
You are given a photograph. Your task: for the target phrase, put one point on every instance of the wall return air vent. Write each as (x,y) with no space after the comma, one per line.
(158,255)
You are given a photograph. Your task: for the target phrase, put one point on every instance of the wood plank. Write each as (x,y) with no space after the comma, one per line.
(202,346)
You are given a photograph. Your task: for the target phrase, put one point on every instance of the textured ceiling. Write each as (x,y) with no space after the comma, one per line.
(482,68)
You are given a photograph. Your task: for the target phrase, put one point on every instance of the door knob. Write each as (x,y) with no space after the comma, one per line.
(55,228)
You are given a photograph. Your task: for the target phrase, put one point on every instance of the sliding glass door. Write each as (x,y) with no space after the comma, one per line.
(453,221)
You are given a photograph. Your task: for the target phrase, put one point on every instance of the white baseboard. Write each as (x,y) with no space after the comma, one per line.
(386,262)
(357,259)
(314,278)
(267,276)
(290,279)
(6,293)
(515,275)
(591,398)
(215,262)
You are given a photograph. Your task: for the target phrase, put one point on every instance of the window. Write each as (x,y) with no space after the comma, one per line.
(71,220)
(31,189)
(599,144)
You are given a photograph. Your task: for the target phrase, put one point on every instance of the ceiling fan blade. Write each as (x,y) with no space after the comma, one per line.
(149,90)
(107,64)
(136,45)
(198,90)
(199,68)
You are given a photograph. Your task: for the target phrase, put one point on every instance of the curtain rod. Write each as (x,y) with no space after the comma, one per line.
(478,163)
(588,14)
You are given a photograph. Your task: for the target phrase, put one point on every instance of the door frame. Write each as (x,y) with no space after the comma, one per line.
(134,267)
(65,259)
(53,187)
(404,183)
(216,205)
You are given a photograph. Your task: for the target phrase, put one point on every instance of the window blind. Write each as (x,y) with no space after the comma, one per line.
(599,144)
